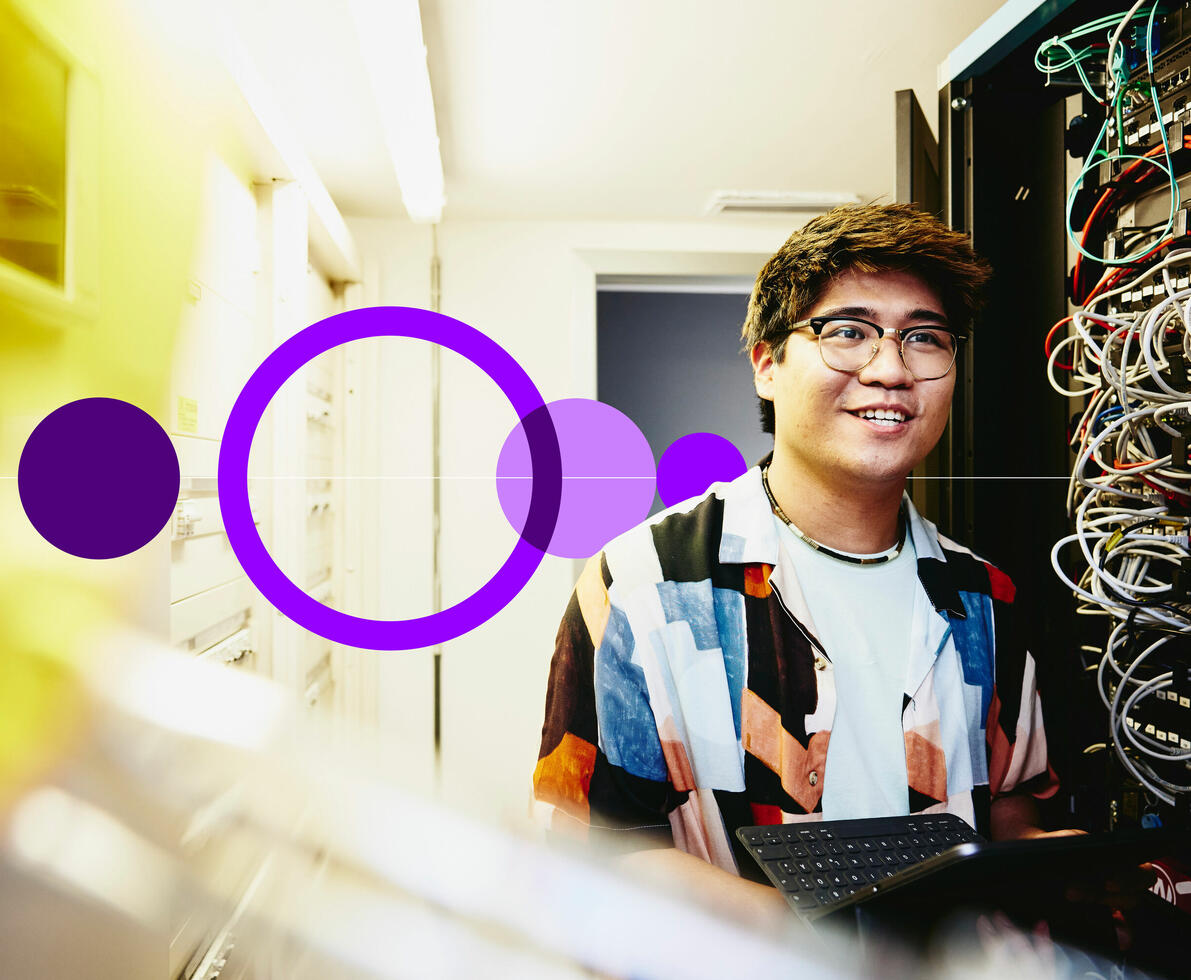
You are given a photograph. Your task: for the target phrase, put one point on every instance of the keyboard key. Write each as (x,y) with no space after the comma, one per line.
(872,875)
(772,852)
(851,847)
(837,863)
(807,835)
(855,878)
(838,880)
(806,883)
(826,835)
(823,896)
(821,881)
(837,894)
(820,864)
(868,845)
(802,899)
(855,862)
(803,866)
(901,842)
(818,850)
(875,861)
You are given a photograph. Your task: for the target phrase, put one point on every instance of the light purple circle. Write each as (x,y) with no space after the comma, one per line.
(254,398)
(693,463)
(607,470)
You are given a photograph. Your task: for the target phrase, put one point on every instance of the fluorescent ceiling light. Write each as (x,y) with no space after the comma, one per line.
(330,240)
(390,35)
(778,202)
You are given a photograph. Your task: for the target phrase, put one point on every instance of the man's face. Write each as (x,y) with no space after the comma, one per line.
(818,410)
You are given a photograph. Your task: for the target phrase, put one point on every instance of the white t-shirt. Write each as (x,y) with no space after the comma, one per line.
(862,615)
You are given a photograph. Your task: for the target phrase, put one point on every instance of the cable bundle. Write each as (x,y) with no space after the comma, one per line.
(1126,355)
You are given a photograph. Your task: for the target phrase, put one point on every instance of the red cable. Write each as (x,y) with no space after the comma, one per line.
(1050,336)
(1099,206)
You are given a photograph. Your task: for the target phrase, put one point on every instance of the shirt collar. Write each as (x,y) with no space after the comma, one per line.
(749,536)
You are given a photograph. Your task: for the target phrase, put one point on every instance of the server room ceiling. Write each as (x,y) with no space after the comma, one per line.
(621,109)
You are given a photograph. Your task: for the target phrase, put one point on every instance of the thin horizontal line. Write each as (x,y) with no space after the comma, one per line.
(609,477)
(1065,479)
(492,477)
(424,478)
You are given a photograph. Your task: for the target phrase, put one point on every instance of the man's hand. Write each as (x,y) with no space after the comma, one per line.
(1016,817)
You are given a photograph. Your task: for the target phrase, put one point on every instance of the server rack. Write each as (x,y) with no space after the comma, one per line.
(1012,141)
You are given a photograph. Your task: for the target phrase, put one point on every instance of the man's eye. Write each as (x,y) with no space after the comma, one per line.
(842,331)
(928,338)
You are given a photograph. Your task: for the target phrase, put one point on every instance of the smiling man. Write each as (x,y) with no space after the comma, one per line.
(800,643)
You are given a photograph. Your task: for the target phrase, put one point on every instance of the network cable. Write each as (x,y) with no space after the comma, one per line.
(1123,353)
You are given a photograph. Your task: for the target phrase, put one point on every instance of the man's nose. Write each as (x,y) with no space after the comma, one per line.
(886,367)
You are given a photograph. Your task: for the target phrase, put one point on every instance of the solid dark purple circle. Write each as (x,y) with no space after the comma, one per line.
(608,476)
(357,631)
(693,463)
(98,478)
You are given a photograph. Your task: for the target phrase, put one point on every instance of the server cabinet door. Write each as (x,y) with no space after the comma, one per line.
(917,155)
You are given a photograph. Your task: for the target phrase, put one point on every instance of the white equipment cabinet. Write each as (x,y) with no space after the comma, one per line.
(254,284)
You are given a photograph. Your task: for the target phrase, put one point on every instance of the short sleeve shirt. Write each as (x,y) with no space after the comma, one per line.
(689,694)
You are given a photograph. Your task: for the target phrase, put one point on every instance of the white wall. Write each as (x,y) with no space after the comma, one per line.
(531,287)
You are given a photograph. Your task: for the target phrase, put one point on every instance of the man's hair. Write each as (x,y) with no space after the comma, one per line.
(868,239)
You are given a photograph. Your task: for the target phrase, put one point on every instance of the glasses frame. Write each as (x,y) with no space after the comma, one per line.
(816,323)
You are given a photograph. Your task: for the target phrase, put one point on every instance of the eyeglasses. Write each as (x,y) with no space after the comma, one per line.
(847,343)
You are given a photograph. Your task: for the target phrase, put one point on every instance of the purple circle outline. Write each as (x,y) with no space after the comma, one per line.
(245,417)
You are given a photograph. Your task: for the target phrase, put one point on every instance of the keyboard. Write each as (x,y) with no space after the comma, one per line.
(819,865)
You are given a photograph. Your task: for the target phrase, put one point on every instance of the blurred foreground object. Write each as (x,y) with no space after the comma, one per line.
(198,824)
(199,812)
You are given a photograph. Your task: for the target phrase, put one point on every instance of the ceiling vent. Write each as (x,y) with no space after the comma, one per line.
(776,202)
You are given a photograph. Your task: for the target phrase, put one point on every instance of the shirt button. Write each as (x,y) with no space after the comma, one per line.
(813,778)
(820,663)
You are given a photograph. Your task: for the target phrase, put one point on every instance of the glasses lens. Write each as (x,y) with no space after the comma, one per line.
(848,345)
(928,353)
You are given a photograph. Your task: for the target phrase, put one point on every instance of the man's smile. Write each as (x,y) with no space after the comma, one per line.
(887,417)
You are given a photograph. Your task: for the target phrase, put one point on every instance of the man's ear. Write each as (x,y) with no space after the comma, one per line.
(761,355)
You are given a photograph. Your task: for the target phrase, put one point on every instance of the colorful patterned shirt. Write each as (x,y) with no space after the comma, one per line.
(689,694)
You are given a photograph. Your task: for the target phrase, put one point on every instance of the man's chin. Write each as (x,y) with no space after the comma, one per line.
(881,476)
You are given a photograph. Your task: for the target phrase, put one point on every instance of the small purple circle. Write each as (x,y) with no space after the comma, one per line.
(607,472)
(98,478)
(357,631)
(693,463)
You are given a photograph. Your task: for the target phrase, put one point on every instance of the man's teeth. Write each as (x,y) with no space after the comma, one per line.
(888,416)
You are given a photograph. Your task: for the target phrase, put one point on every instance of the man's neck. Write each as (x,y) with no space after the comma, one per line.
(861,519)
